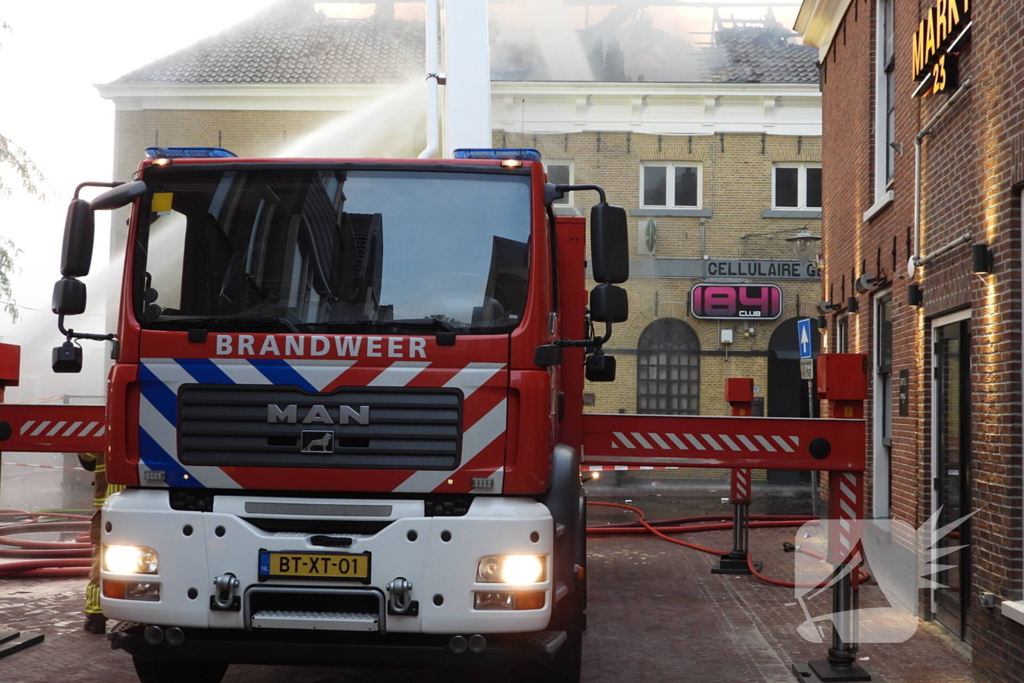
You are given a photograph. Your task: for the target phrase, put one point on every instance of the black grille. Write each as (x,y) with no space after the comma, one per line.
(227,425)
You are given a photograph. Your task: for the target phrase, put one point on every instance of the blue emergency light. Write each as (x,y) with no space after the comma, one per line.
(188,153)
(520,153)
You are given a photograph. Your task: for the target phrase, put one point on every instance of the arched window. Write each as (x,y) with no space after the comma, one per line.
(668,369)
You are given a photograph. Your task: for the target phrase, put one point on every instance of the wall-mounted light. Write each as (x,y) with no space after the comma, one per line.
(981,258)
(805,246)
(851,304)
(915,295)
(824,307)
(865,283)
(822,322)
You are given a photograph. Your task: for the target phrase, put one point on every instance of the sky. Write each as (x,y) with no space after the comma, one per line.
(50,60)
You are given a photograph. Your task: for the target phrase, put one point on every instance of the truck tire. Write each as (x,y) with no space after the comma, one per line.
(149,671)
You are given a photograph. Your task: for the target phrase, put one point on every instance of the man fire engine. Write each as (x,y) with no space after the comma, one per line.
(346,403)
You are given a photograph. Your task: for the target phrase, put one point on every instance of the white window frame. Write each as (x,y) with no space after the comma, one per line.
(881,484)
(801,184)
(670,184)
(935,408)
(568,199)
(882,150)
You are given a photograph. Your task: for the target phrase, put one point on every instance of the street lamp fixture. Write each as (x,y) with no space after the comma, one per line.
(805,246)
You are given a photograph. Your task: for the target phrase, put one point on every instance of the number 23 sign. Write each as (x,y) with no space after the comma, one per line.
(734,302)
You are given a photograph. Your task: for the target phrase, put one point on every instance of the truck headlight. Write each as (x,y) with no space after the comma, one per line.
(129,559)
(513,569)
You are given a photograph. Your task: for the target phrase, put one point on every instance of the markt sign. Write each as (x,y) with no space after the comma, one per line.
(938,40)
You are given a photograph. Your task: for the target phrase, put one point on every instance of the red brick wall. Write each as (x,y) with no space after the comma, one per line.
(969,188)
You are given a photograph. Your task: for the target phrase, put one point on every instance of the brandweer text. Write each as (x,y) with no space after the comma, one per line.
(320,345)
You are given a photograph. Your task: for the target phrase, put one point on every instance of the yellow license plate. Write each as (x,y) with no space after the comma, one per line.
(302,565)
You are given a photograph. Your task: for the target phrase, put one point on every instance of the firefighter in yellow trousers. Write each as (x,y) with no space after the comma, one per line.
(95,622)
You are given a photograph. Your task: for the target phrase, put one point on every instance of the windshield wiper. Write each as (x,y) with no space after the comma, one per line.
(227,320)
(425,323)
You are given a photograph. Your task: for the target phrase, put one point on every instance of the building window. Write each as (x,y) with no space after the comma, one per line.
(670,185)
(796,186)
(561,173)
(668,369)
(843,334)
(882,465)
(885,98)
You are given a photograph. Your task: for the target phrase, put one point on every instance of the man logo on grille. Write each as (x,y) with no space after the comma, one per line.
(318,414)
(317,442)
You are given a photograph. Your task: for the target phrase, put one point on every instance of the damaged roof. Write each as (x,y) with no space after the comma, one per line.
(762,55)
(290,42)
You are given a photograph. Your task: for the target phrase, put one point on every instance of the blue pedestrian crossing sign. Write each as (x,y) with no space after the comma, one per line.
(803,327)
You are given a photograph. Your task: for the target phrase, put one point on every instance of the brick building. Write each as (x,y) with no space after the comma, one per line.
(715,175)
(944,338)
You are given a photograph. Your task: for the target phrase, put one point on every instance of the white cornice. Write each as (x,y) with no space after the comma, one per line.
(818,21)
(534,107)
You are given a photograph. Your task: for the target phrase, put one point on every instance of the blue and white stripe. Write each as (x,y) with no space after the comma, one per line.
(161,378)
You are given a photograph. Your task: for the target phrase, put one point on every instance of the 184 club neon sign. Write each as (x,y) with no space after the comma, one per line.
(732,302)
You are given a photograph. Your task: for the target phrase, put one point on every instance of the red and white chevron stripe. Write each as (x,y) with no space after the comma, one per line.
(484,423)
(703,442)
(846,492)
(57,427)
(739,486)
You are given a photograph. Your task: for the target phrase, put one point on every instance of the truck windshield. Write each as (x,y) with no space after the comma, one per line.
(318,248)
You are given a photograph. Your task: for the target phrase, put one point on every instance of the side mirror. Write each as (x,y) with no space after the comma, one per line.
(67,358)
(600,367)
(68,297)
(79,231)
(609,243)
(609,304)
(119,196)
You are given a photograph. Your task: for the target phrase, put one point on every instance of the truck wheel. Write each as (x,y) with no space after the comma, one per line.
(178,672)
(566,667)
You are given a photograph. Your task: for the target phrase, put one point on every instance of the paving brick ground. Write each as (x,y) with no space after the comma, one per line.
(656,614)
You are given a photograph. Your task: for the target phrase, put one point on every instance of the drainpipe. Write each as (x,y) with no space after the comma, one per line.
(433,80)
(917,260)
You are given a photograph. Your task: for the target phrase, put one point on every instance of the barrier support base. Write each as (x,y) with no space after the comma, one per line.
(822,672)
(733,563)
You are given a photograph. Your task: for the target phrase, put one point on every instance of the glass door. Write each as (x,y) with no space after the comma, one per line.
(952,471)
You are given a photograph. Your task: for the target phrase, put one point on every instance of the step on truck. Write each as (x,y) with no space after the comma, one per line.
(346,401)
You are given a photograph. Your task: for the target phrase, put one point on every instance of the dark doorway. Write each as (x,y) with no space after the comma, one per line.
(953,469)
(788,394)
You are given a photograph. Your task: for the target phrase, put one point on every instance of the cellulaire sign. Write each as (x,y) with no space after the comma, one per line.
(736,302)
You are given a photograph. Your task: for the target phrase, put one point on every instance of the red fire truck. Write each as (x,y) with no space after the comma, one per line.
(346,401)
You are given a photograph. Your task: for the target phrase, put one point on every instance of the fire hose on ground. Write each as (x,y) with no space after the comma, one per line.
(661,529)
(44,559)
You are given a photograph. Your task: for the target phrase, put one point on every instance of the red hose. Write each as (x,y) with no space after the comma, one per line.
(659,523)
(50,573)
(648,527)
(723,526)
(45,554)
(18,567)
(860,575)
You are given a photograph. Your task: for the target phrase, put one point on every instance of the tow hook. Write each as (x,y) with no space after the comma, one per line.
(400,600)
(224,598)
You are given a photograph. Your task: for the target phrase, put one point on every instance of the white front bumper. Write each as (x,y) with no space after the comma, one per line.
(221,542)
